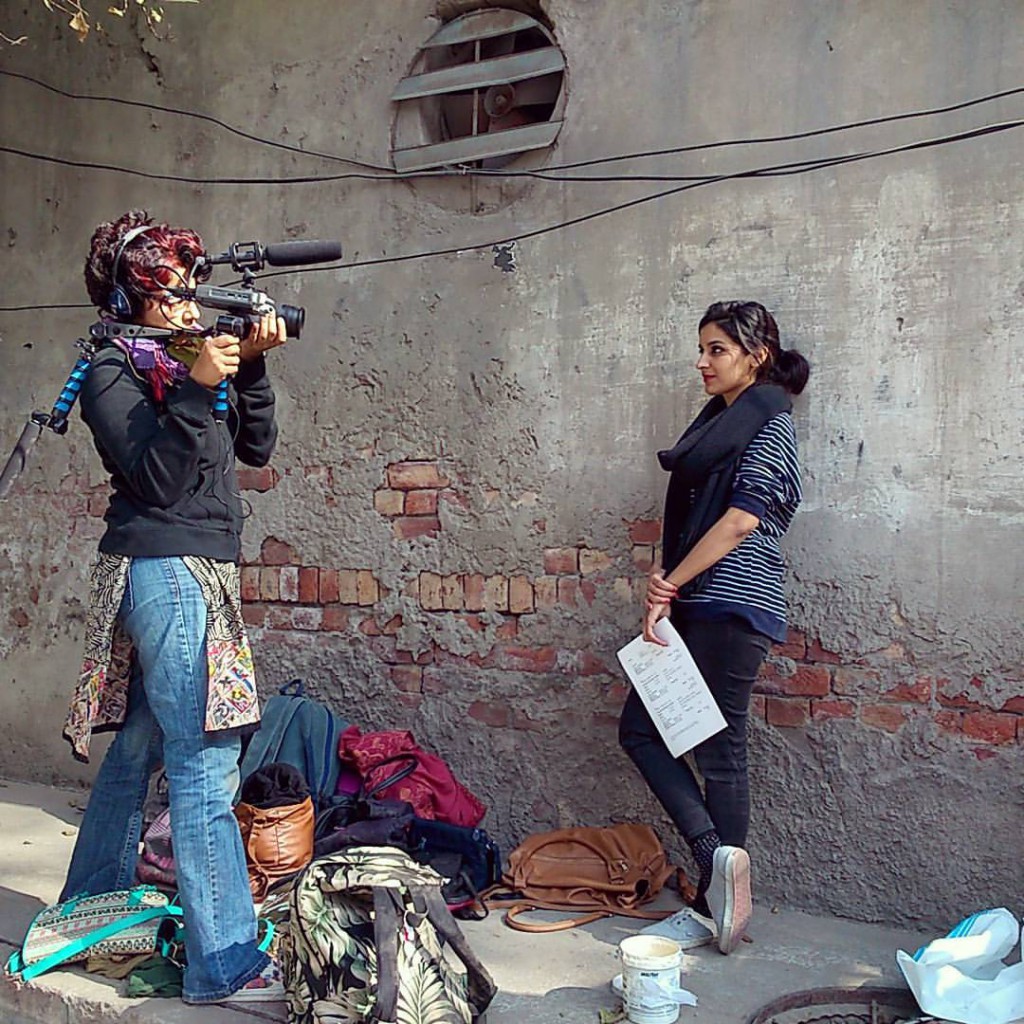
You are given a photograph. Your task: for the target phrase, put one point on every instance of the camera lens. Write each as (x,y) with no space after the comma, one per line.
(294,317)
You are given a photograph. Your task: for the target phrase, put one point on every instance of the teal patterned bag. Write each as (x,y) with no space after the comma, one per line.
(126,922)
(361,939)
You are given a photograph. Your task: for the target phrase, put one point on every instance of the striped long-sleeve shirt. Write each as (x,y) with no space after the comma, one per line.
(747,582)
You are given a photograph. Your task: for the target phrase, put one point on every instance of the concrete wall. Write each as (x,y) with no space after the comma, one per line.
(887,746)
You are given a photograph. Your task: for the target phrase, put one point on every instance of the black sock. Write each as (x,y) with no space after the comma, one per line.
(703,850)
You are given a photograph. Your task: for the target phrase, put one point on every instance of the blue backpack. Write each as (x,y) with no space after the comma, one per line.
(300,731)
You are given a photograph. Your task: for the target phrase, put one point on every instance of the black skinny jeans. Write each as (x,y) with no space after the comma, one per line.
(728,655)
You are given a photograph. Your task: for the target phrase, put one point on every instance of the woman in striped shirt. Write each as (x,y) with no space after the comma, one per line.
(733,491)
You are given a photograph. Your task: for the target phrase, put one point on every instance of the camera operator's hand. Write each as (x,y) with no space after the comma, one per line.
(217,359)
(267,334)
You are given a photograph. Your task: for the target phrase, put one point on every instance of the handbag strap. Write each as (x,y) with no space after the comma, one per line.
(412,763)
(517,904)
(264,943)
(511,918)
(16,965)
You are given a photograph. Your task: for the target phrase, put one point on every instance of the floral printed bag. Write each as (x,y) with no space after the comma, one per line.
(362,937)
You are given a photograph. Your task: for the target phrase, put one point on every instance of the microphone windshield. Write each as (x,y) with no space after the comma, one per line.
(293,254)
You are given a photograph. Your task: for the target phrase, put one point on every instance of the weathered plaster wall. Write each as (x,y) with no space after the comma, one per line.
(887,745)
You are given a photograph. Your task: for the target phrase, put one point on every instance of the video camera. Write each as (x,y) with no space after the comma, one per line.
(246,305)
(243,306)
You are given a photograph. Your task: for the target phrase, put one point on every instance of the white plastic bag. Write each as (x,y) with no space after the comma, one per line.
(651,994)
(648,994)
(962,977)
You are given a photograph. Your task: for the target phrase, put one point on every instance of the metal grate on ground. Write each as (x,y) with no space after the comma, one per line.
(843,1006)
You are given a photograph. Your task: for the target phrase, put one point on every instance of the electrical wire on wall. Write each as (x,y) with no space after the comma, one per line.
(689,181)
(390,174)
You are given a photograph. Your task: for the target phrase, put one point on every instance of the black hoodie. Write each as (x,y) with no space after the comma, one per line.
(173,469)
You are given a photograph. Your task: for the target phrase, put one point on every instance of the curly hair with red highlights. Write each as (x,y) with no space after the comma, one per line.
(145,267)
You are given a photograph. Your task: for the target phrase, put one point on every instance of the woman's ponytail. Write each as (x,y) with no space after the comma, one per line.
(790,370)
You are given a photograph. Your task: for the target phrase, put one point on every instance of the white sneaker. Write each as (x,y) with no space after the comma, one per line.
(684,927)
(729,895)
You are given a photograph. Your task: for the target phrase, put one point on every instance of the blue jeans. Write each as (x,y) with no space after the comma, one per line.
(164,613)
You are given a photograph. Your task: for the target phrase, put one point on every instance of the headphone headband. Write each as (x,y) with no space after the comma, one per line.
(129,237)
(120,302)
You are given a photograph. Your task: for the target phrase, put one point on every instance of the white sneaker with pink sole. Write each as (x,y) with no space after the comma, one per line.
(729,896)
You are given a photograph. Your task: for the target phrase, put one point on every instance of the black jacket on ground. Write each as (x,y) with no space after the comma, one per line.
(173,470)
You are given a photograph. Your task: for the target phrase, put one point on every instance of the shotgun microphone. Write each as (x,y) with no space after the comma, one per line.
(294,254)
(252,256)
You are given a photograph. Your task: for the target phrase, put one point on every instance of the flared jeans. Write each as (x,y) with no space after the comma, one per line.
(164,614)
(729,655)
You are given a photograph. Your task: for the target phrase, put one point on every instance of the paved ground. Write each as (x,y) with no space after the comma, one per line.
(543,979)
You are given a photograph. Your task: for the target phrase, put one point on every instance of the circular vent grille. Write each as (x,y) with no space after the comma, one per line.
(485,88)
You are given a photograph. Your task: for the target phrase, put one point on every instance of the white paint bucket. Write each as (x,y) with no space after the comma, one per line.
(649,960)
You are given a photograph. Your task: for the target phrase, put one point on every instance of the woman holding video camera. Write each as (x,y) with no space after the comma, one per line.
(167,662)
(733,491)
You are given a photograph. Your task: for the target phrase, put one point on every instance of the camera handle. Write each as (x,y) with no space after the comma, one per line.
(220,401)
(55,420)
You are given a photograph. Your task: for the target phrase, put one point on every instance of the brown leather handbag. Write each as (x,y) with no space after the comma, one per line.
(602,871)
(278,842)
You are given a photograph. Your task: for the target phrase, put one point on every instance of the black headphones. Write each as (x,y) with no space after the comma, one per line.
(119,301)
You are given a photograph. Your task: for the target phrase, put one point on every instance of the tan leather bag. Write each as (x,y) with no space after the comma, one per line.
(603,871)
(278,842)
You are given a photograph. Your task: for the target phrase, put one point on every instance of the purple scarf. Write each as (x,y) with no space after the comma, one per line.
(149,356)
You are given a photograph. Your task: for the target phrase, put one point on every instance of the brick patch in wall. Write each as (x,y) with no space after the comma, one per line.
(889,717)
(561,561)
(795,646)
(408,678)
(473,591)
(801,678)
(371,627)
(276,581)
(409,527)
(918,691)
(416,476)
(410,498)
(421,503)
(787,712)
(594,561)
(389,503)
(520,595)
(644,531)
(836,708)
(802,684)
(263,479)
(276,552)
(643,557)
(990,726)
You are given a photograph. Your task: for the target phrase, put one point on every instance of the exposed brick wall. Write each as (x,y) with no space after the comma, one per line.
(802,683)
(409,497)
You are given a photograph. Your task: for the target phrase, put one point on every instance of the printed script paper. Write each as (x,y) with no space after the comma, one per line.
(672,689)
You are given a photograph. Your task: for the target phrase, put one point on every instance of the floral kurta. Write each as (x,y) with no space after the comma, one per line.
(101,696)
